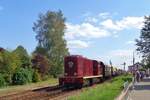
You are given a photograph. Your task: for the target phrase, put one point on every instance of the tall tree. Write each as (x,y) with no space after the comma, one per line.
(23,56)
(50,28)
(143,44)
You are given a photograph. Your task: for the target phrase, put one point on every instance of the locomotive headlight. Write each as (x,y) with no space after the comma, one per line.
(75,73)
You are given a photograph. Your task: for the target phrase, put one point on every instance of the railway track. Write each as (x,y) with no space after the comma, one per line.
(46,93)
(37,94)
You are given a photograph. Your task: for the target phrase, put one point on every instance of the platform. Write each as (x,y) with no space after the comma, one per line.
(141,90)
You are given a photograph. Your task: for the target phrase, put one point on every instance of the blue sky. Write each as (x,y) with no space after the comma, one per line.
(97,29)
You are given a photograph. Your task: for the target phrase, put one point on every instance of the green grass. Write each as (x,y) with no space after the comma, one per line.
(106,91)
(20,88)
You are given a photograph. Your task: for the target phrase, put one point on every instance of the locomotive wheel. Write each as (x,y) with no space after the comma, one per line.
(101,80)
(79,86)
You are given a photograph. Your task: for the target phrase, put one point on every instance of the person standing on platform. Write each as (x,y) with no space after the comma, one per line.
(137,75)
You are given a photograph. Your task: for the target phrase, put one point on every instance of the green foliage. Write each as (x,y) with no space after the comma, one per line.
(143,44)
(12,60)
(55,71)
(29,74)
(23,56)
(50,28)
(8,64)
(125,79)
(22,76)
(15,61)
(7,78)
(2,81)
(5,62)
(36,77)
(16,67)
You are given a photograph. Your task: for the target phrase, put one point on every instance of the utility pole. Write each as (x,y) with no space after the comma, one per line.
(133,59)
(110,63)
(124,65)
(111,67)
(133,68)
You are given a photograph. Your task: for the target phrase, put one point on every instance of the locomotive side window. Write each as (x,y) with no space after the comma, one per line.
(70,64)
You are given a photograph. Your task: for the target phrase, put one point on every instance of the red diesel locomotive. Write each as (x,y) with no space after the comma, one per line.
(79,70)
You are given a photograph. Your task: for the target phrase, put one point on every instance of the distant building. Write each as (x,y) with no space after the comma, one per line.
(135,67)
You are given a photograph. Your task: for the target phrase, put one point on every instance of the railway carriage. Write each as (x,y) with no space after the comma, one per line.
(108,71)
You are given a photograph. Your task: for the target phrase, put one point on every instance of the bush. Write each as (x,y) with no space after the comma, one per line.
(29,74)
(129,79)
(7,78)
(2,81)
(22,76)
(45,77)
(36,77)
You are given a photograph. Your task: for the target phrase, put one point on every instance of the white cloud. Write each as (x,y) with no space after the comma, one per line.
(126,23)
(77,44)
(121,53)
(84,30)
(109,24)
(120,56)
(104,15)
(86,14)
(92,27)
(99,27)
(91,20)
(116,36)
(130,42)
(96,19)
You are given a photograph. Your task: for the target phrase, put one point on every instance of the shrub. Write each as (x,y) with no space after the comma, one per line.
(7,78)
(36,76)
(22,76)
(2,81)
(29,74)
(129,79)
(46,77)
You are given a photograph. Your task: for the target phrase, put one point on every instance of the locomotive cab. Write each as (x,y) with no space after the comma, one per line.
(73,71)
(73,66)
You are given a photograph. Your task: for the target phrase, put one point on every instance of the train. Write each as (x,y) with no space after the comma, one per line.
(80,71)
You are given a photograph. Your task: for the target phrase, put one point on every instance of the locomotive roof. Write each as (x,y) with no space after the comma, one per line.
(76,55)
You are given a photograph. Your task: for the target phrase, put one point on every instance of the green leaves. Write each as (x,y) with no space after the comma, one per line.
(11,61)
(143,44)
(2,81)
(22,76)
(23,56)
